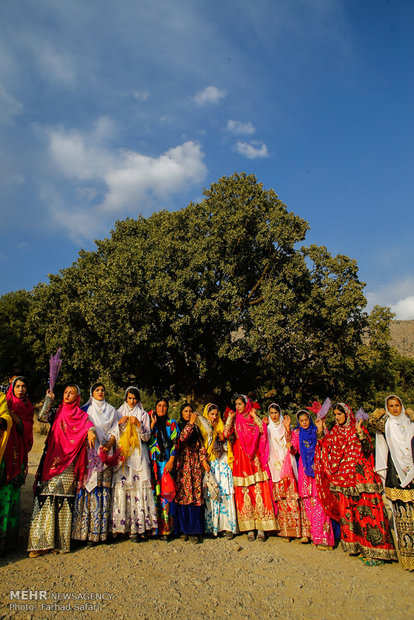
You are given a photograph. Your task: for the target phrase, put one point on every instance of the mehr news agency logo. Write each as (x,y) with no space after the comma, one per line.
(43,600)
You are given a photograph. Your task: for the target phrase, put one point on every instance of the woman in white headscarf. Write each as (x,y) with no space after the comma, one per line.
(292,521)
(133,505)
(394,462)
(93,501)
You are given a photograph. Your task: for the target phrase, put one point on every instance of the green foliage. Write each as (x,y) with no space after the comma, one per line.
(218,296)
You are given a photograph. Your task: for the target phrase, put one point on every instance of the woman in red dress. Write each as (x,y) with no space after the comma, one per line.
(254,505)
(350,490)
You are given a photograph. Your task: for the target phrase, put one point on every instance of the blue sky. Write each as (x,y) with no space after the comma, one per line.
(113,108)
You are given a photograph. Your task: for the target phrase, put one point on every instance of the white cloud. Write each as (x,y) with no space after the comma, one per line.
(245,129)
(404,309)
(254,150)
(210,94)
(113,183)
(140,95)
(399,296)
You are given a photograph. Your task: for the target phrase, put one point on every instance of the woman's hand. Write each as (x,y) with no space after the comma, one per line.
(319,425)
(50,394)
(153,419)
(358,426)
(108,445)
(135,421)
(220,436)
(123,420)
(91,439)
(193,417)
(286,422)
(169,465)
(206,466)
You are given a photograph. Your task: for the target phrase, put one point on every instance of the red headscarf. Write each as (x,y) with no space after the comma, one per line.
(335,461)
(253,442)
(19,444)
(66,441)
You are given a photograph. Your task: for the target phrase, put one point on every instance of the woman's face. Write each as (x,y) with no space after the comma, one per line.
(340,416)
(186,413)
(274,414)
(99,393)
(131,399)
(70,395)
(213,415)
(394,406)
(304,421)
(161,408)
(20,389)
(240,405)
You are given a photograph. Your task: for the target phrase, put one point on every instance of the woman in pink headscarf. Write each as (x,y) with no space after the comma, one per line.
(13,465)
(254,505)
(62,468)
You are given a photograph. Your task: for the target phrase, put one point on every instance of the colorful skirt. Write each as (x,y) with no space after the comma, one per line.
(92,510)
(292,520)
(133,508)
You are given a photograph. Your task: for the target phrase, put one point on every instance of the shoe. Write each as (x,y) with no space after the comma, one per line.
(36,554)
(304,540)
(261,536)
(183,537)
(251,536)
(229,535)
(90,543)
(324,547)
(166,537)
(197,540)
(285,538)
(134,538)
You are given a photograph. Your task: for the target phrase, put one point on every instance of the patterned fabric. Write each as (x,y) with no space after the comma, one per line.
(321,526)
(165,520)
(358,501)
(92,510)
(252,493)
(9,513)
(189,475)
(51,522)
(292,520)
(364,526)
(133,506)
(220,513)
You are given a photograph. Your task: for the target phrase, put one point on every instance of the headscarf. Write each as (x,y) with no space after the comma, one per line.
(399,432)
(281,462)
(209,434)
(66,440)
(5,415)
(307,443)
(195,435)
(103,417)
(336,459)
(253,442)
(130,438)
(164,441)
(19,444)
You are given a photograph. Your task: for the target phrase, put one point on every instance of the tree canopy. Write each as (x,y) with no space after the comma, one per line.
(219,295)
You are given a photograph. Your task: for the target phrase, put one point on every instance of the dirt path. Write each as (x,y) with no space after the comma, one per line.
(218,579)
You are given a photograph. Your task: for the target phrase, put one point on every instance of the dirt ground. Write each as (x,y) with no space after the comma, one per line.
(217,579)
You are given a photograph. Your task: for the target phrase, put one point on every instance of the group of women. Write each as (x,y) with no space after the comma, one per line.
(107,472)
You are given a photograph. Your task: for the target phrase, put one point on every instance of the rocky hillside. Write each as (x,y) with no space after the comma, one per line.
(402,337)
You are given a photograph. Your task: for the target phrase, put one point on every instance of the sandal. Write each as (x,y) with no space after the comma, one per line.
(251,536)
(261,536)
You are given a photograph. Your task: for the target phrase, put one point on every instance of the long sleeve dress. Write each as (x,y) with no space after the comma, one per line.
(251,480)
(394,463)
(220,510)
(162,446)
(189,500)
(91,515)
(7,517)
(61,468)
(13,468)
(133,507)
(320,524)
(351,492)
